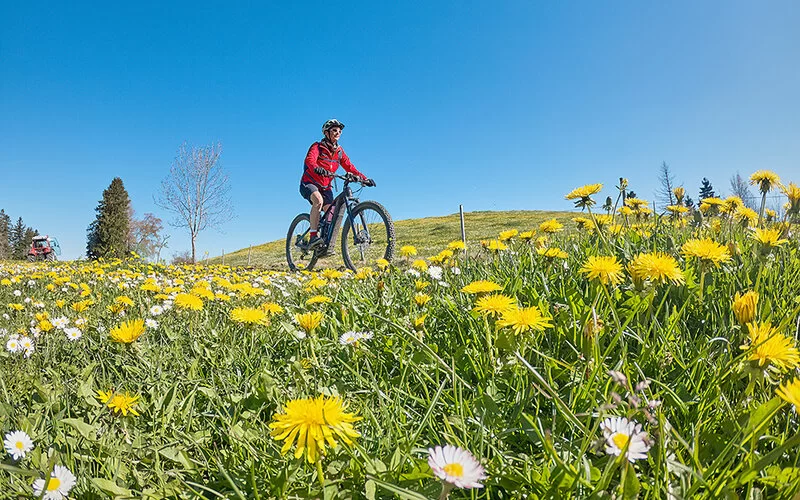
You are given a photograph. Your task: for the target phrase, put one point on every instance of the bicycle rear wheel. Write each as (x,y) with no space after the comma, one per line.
(297,256)
(368,237)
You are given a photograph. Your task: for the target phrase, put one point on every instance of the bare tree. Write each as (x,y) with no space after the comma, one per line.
(145,235)
(197,190)
(740,188)
(665,195)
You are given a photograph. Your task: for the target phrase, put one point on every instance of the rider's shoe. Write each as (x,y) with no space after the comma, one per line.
(314,242)
(329,253)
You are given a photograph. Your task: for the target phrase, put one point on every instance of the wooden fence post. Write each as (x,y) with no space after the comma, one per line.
(249,249)
(463,231)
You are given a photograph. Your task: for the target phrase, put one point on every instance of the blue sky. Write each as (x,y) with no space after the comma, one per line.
(493,105)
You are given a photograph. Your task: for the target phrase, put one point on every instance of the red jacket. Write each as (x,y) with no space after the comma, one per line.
(320,154)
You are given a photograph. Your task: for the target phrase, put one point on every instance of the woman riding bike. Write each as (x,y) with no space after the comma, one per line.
(322,161)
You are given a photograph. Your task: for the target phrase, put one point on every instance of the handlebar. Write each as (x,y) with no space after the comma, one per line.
(348,178)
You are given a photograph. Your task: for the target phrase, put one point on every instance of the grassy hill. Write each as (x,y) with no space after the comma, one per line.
(429,235)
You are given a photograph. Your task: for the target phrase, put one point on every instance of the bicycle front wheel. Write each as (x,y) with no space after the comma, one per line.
(297,256)
(368,236)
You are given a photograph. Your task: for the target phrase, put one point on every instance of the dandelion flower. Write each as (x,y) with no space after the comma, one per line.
(188,301)
(707,250)
(605,269)
(523,319)
(792,191)
(421,299)
(119,402)
(769,238)
(457,245)
(309,321)
(456,466)
(272,308)
(17,444)
(494,305)
(625,436)
(526,235)
(656,267)
(765,180)
(771,349)
(552,253)
(744,307)
(677,209)
(58,487)
(249,316)
(790,392)
(550,226)
(746,215)
(583,195)
(507,235)
(481,286)
(318,299)
(494,245)
(408,251)
(128,331)
(312,423)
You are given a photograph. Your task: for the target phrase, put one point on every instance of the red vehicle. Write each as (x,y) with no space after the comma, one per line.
(44,248)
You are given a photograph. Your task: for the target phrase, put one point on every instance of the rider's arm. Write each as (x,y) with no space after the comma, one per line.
(311,162)
(349,167)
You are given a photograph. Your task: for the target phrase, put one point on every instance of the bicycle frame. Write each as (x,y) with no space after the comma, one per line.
(344,200)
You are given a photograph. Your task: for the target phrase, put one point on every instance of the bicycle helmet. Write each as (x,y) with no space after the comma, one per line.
(333,122)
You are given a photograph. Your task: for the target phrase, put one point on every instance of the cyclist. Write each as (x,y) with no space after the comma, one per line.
(322,160)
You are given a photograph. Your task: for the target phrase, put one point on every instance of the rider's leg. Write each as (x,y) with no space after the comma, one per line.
(316,206)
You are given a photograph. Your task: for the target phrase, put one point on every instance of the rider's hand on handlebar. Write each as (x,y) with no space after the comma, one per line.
(368,182)
(323,172)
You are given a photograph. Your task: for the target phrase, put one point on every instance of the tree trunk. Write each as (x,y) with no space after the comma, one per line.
(194,238)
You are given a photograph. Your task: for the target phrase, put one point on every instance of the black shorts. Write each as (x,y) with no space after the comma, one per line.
(308,188)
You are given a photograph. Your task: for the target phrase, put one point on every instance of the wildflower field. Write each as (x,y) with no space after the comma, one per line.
(626,355)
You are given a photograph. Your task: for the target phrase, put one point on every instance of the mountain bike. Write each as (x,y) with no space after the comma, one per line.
(367,235)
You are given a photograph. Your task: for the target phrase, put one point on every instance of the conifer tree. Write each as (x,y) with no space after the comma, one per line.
(706,190)
(17,240)
(108,235)
(5,226)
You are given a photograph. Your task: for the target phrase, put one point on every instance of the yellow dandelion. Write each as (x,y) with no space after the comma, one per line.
(45,325)
(309,321)
(408,251)
(656,267)
(420,285)
(249,316)
(790,392)
(552,253)
(481,286)
(606,269)
(507,235)
(364,273)
(765,180)
(420,265)
(382,264)
(494,305)
(550,226)
(421,299)
(707,250)
(188,301)
(524,319)
(526,235)
(771,348)
(419,322)
(494,245)
(457,245)
(583,195)
(677,209)
(272,308)
(119,402)
(312,423)
(679,193)
(792,191)
(318,299)
(744,307)
(746,215)
(128,331)
(769,238)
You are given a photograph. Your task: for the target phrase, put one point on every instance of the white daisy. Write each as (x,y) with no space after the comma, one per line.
(151,323)
(456,466)
(26,343)
(61,322)
(17,444)
(413,272)
(350,338)
(435,272)
(156,310)
(13,345)
(61,482)
(73,333)
(621,433)
(80,322)
(17,293)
